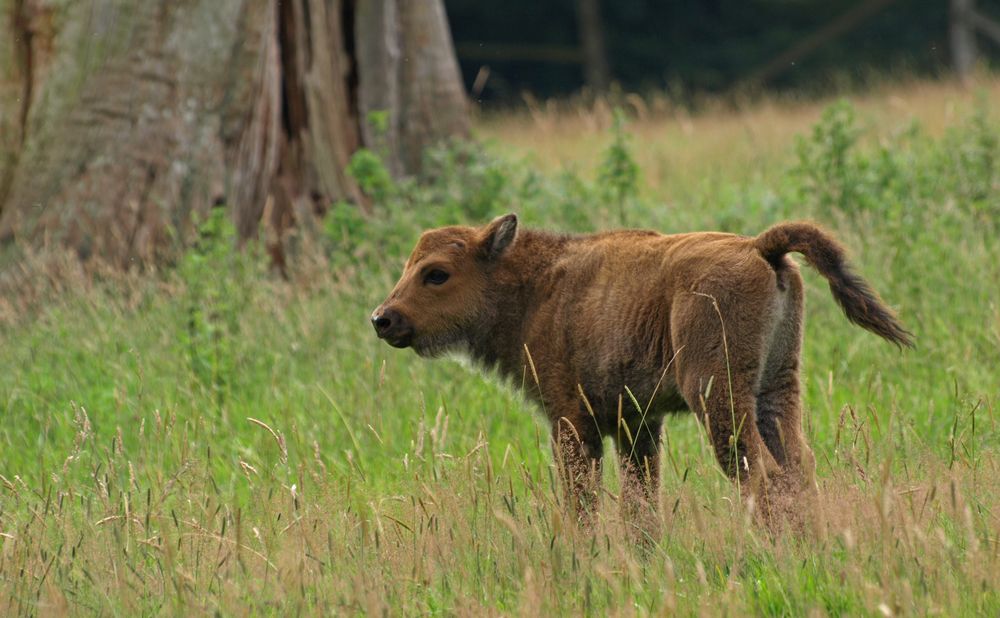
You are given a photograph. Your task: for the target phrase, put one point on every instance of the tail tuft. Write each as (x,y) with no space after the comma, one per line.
(861,304)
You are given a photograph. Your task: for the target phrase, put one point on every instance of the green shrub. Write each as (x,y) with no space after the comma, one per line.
(904,175)
(970,156)
(218,280)
(464,183)
(618,174)
(826,170)
(368,170)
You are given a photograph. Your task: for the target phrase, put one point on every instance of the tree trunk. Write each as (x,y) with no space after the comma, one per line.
(595,58)
(122,119)
(429,81)
(378,55)
(963,38)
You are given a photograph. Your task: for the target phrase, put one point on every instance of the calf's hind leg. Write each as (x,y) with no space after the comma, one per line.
(792,491)
(726,355)
(779,400)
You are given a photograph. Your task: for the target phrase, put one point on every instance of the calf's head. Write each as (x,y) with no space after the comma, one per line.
(445,293)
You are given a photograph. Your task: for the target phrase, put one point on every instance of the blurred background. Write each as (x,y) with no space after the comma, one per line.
(689,47)
(123,119)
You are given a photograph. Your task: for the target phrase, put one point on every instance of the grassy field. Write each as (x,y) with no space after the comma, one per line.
(211,438)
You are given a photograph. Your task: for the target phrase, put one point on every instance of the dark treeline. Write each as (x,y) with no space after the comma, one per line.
(691,46)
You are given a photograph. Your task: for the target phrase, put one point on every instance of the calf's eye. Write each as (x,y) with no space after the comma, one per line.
(436,277)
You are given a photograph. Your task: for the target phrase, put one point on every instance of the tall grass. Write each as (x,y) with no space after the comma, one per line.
(212,438)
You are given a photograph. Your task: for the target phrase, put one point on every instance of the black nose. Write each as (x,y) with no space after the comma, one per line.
(393,327)
(387,321)
(382,322)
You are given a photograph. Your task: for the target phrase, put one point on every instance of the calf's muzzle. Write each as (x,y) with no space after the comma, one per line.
(393,327)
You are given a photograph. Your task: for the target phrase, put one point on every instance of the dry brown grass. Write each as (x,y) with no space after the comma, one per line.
(482,536)
(680,151)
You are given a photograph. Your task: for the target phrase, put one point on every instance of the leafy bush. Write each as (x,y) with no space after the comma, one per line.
(827,170)
(905,175)
(372,177)
(970,154)
(463,183)
(218,280)
(618,175)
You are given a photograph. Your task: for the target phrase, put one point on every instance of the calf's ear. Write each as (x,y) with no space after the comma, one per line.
(497,236)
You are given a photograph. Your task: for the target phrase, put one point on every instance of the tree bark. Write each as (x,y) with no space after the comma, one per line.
(963,38)
(378,55)
(430,81)
(595,57)
(121,120)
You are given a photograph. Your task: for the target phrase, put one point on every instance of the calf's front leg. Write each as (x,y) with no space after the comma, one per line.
(639,462)
(577,446)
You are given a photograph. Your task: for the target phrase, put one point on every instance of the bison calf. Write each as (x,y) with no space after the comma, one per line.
(611,331)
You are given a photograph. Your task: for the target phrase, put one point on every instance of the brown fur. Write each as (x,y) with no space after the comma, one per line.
(709,322)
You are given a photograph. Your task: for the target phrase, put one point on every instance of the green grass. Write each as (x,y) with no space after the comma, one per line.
(371,481)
